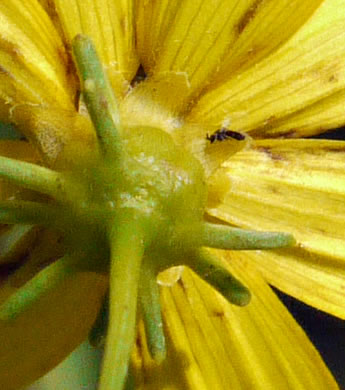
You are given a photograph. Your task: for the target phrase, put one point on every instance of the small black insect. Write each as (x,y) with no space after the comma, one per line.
(223,134)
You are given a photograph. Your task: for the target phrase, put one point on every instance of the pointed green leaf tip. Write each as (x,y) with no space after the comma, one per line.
(227,237)
(210,268)
(151,312)
(98,94)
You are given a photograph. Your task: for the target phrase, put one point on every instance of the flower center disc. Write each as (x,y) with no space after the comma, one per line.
(165,184)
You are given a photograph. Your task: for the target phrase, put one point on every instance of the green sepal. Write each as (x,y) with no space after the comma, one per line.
(231,238)
(151,311)
(38,286)
(31,176)
(98,94)
(210,268)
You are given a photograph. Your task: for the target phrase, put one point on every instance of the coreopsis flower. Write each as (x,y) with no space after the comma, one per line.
(151,127)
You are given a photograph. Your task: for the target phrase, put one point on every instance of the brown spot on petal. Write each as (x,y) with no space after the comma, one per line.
(270,154)
(332,149)
(266,130)
(181,283)
(10,48)
(124,24)
(66,59)
(50,8)
(332,78)
(269,120)
(218,313)
(292,133)
(139,344)
(248,16)
(4,71)
(274,190)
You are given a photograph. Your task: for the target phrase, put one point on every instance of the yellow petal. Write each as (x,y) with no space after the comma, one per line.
(154,21)
(155,102)
(214,345)
(33,61)
(263,28)
(110,24)
(46,333)
(21,150)
(295,186)
(325,114)
(196,139)
(38,85)
(309,67)
(63,137)
(187,38)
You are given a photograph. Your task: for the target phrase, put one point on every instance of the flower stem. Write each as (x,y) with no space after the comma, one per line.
(211,269)
(151,310)
(31,176)
(127,246)
(99,97)
(227,237)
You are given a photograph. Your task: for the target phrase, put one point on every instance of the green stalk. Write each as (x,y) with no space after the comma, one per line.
(99,97)
(43,253)
(127,247)
(227,237)
(14,241)
(38,286)
(31,176)
(211,269)
(151,310)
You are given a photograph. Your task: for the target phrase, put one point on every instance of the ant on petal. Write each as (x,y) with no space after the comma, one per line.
(223,134)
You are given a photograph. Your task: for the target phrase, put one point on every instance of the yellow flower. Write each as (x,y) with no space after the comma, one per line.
(222,79)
